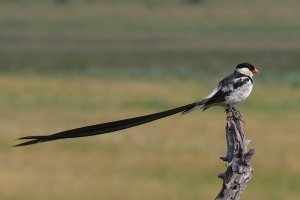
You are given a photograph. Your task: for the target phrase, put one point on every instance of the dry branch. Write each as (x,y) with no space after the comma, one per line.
(238,157)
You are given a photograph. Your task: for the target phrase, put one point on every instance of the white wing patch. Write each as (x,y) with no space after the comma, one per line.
(213,92)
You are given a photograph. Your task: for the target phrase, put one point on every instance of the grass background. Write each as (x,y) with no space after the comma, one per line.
(65,64)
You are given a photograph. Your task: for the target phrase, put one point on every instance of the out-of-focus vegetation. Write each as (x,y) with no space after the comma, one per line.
(69,63)
(173,37)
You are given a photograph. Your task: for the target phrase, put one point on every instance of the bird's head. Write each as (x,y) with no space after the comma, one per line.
(246,69)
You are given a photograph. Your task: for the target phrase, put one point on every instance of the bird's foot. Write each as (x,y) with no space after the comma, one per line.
(235,114)
(238,115)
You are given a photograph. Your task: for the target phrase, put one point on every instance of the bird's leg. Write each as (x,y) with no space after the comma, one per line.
(235,113)
(229,109)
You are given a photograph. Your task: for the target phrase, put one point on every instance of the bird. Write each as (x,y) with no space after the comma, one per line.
(230,91)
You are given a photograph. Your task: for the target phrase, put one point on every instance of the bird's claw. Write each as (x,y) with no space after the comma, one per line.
(238,116)
(235,114)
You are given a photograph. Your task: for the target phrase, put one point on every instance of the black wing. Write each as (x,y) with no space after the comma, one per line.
(103,128)
(227,85)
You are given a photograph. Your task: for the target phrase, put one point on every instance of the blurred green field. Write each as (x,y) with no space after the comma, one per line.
(175,158)
(65,64)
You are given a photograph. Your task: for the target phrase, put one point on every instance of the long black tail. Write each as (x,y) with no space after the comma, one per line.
(103,128)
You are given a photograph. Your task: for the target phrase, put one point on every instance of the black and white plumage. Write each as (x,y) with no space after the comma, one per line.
(233,89)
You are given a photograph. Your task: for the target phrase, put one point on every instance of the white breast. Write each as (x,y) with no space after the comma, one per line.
(239,94)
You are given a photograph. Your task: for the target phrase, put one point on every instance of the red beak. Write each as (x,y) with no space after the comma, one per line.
(255,70)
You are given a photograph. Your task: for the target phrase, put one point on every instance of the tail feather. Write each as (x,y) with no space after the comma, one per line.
(103,128)
(198,105)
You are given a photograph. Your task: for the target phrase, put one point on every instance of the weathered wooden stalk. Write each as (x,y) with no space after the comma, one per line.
(238,157)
